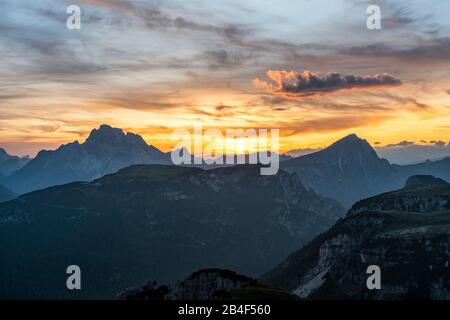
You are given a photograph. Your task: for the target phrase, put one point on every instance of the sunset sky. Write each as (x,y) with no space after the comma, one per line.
(310,68)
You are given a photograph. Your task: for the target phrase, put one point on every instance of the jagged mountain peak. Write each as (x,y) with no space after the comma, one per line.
(106,134)
(105,151)
(10,163)
(348,170)
(5,155)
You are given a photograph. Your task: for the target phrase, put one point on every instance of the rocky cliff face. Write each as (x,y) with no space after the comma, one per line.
(209,284)
(405,233)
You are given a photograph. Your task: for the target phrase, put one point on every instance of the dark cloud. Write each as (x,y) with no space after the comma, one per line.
(221,58)
(399,17)
(401,144)
(222,107)
(431,49)
(292,83)
(439,144)
(273,100)
(155,18)
(424,143)
(280,108)
(410,102)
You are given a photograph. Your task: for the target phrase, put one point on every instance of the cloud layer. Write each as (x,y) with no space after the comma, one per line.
(306,83)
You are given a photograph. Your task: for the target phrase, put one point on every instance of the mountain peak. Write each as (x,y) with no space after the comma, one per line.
(351,138)
(351,145)
(106,134)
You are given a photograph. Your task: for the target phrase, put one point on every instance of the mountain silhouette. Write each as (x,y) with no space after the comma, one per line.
(350,170)
(347,171)
(105,151)
(9,163)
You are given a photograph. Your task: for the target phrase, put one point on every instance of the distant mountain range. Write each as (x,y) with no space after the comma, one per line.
(405,233)
(10,164)
(154,222)
(105,151)
(347,171)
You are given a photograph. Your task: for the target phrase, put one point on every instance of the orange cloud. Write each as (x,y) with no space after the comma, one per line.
(307,83)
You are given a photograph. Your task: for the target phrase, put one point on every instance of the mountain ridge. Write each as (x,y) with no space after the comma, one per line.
(157,222)
(9,163)
(106,150)
(405,233)
(347,171)
(350,170)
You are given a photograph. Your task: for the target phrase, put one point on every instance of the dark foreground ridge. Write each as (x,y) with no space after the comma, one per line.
(210,284)
(406,233)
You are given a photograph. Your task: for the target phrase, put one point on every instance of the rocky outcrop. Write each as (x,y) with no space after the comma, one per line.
(411,247)
(208,284)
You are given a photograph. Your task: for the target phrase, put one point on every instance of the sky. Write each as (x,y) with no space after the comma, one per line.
(310,68)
